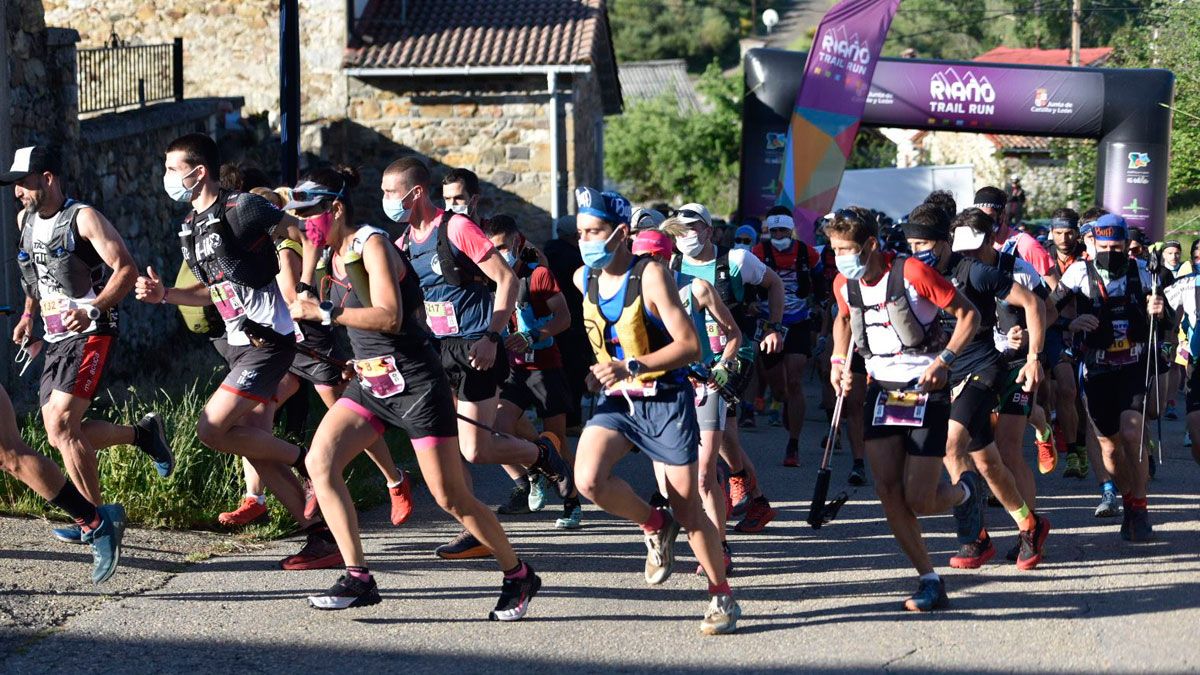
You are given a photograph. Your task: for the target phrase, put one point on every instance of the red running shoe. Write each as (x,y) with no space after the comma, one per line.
(1047,456)
(401,497)
(791,458)
(758,515)
(311,507)
(974,555)
(1033,544)
(739,495)
(249,512)
(320,552)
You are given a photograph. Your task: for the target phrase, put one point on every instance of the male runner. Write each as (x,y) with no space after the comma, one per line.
(992,201)
(75,269)
(643,339)
(887,309)
(454,261)
(460,191)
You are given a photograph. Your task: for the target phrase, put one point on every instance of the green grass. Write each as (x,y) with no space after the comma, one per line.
(205,482)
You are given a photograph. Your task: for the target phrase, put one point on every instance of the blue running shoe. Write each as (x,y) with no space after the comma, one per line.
(970,513)
(154,443)
(571,519)
(537,492)
(71,534)
(930,595)
(106,542)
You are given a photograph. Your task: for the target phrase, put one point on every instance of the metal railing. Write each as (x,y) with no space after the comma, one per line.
(122,76)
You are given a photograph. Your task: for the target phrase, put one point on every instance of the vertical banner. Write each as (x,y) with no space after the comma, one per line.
(829,106)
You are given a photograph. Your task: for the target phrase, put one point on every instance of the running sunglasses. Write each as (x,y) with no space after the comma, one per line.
(743,240)
(688,213)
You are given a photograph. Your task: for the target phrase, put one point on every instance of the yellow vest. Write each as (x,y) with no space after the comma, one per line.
(635,333)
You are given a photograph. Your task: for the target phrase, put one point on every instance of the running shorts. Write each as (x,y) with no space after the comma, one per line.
(423,409)
(545,391)
(1111,392)
(255,372)
(469,384)
(972,407)
(797,341)
(711,409)
(663,426)
(1014,400)
(74,365)
(927,440)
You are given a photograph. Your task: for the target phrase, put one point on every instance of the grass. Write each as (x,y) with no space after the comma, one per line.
(205,482)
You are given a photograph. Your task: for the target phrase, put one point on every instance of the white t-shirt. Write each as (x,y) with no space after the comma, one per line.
(53,302)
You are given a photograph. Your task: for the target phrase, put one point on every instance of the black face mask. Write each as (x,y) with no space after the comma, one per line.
(1113,262)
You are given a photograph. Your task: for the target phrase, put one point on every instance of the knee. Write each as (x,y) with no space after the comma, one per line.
(471,450)
(588,484)
(888,492)
(450,498)
(58,426)
(319,463)
(209,433)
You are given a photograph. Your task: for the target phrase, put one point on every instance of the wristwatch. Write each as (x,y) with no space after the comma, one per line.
(93,313)
(634,367)
(493,336)
(947,356)
(302,287)
(776,327)
(326,310)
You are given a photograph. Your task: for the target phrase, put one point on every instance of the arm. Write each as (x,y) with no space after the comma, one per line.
(1035,318)
(95,228)
(772,342)
(966,323)
(499,272)
(385,314)
(710,302)
(290,270)
(150,289)
(839,373)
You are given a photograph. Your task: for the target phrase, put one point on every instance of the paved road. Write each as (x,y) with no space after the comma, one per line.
(813,601)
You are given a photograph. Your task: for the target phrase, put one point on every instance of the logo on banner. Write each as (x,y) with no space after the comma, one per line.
(1138,160)
(961,94)
(776,141)
(1134,207)
(1041,97)
(1043,104)
(1137,172)
(845,52)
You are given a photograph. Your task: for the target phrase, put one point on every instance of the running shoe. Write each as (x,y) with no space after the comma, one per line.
(727,555)
(1033,543)
(311,507)
(1110,505)
(1072,470)
(1084,466)
(970,513)
(746,419)
(551,463)
(858,476)
(346,593)
(660,553)
(739,494)
(106,542)
(572,518)
(930,595)
(537,492)
(71,534)
(1047,455)
(320,552)
(155,444)
(1171,413)
(401,498)
(515,596)
(1139,529)
(462,547)
(722,616)
(248,512)
(758,514)
(791,457)
(974,555)
(775,418)
(518,502)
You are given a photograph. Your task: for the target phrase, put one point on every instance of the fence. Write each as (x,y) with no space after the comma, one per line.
(121,76)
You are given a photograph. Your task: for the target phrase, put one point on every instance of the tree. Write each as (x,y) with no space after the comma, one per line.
(696,30)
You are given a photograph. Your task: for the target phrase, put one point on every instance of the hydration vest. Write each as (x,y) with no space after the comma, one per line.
(712,338)
(1107,310)
(457,269)
(804,284)
(524,315)
(1008,316)
(633,331)
(215,255)
(69,262)
(914,336)
(204,320)
(356,293)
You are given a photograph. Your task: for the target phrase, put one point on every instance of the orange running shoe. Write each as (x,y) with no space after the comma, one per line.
(1047,455)
(249,512)
(739,495)
(401,497)
(758,514)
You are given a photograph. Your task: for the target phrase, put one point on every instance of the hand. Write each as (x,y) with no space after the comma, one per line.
(1030,377)
(841,379)
(1016,338)
(610,373)
(23,331)
(348,372)
(482,354)
(593,384)
(1155,305)
(934,377)
(304,308)
(1084,322)
(719,375)
(76,320)
(517,342)
(772,343)
(149,288)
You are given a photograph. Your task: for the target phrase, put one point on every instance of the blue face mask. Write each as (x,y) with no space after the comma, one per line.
(595,254)
(510,258)
(850,265)
(395,210)
(744,247)
(929,257)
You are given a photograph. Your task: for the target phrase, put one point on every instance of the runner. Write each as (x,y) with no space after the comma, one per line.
(460,191)
(1067,248)
(400,383)
(454,261)
(992,201)
(794,262)
(535,376)
(227,242)
(1115,310)
(738,277)
(976,378)
(888,306)
(643,339)
(1183,298)
(75,269)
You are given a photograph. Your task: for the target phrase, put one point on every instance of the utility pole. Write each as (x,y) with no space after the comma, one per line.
(289,90)
(1076,15)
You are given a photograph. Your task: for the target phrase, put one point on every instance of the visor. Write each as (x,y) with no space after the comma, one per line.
(308,194)
(967,238)
(780,221)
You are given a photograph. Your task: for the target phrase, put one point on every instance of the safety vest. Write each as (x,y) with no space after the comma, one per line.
(69,262)
(632,332)
(916,337)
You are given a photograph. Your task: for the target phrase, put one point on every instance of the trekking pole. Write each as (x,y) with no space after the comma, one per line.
(1151,359)
(817,509)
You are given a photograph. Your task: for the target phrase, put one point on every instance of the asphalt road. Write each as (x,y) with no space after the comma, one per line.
(825,600)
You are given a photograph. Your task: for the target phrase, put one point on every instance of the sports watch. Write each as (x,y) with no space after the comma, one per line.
(776,327)
(326,310)
(93,313)
(947,356)
(493,336)
(634,367)
(302,287)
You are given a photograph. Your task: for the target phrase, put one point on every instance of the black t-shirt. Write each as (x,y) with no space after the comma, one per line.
(983,285)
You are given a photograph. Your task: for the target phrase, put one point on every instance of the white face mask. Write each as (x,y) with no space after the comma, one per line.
(781,243)
(173,184)
(689,245)
(460,209)
(1091,249)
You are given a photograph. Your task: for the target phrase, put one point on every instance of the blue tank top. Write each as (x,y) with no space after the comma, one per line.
(612,306)
(450,311)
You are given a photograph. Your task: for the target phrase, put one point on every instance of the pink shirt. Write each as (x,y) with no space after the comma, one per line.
(465,235)
(1029,250)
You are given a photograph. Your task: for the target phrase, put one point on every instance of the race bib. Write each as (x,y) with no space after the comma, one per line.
(225,298)
(380,376)
(53,310)
(716,339)
(900,409)
(1121,352)
(633,388)
(299,333)
(441,318)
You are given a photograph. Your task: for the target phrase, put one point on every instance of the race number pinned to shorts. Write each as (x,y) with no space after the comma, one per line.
(225,298)
(441,318)
(53,310)
(299,333)
(632,388)
(900,409)
(380,376)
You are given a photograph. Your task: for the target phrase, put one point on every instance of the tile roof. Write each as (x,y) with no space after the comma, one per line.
(651,79)
(456,33)
(1045,57)
(1021,143)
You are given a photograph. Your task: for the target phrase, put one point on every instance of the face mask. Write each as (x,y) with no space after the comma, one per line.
(689,245)
(1113,262)
(460,209)
(510,258)
(173,184)
(1091,250)
(850,265)
(743,247)
(929,257)
(395,209)
(317,228)
(781,243)
(595,254)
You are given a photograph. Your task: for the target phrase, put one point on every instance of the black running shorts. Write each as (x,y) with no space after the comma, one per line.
(1111,392)
(545,391)
(469,384)
(928,440)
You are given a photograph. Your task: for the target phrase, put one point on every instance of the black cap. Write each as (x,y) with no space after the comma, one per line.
(30,160)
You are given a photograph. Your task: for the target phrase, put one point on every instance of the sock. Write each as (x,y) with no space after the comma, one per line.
(261,499)
(1138,503)
(720,589)
(658,518)
(522,482)
(360,573)
(518,572)
(298,465)
(77,506)
(932,576)
(793,444)
(1024,518)
(1043,436)
(858,464)
(966,493)
(570,504)
(397,483)
(1108,486)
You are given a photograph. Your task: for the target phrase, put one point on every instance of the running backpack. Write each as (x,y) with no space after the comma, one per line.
(915,337)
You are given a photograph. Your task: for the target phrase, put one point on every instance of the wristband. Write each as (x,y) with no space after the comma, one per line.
(837,360)
(26,315)
(166,292)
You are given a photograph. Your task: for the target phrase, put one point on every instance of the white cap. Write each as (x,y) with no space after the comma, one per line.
(693,213)
(780,220)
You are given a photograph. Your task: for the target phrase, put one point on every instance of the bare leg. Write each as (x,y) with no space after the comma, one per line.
(1009,432)
(63,416)
(684,495)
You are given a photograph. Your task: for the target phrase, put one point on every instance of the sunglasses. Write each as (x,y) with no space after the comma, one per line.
(743,241)
(309,195)
(692,215)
